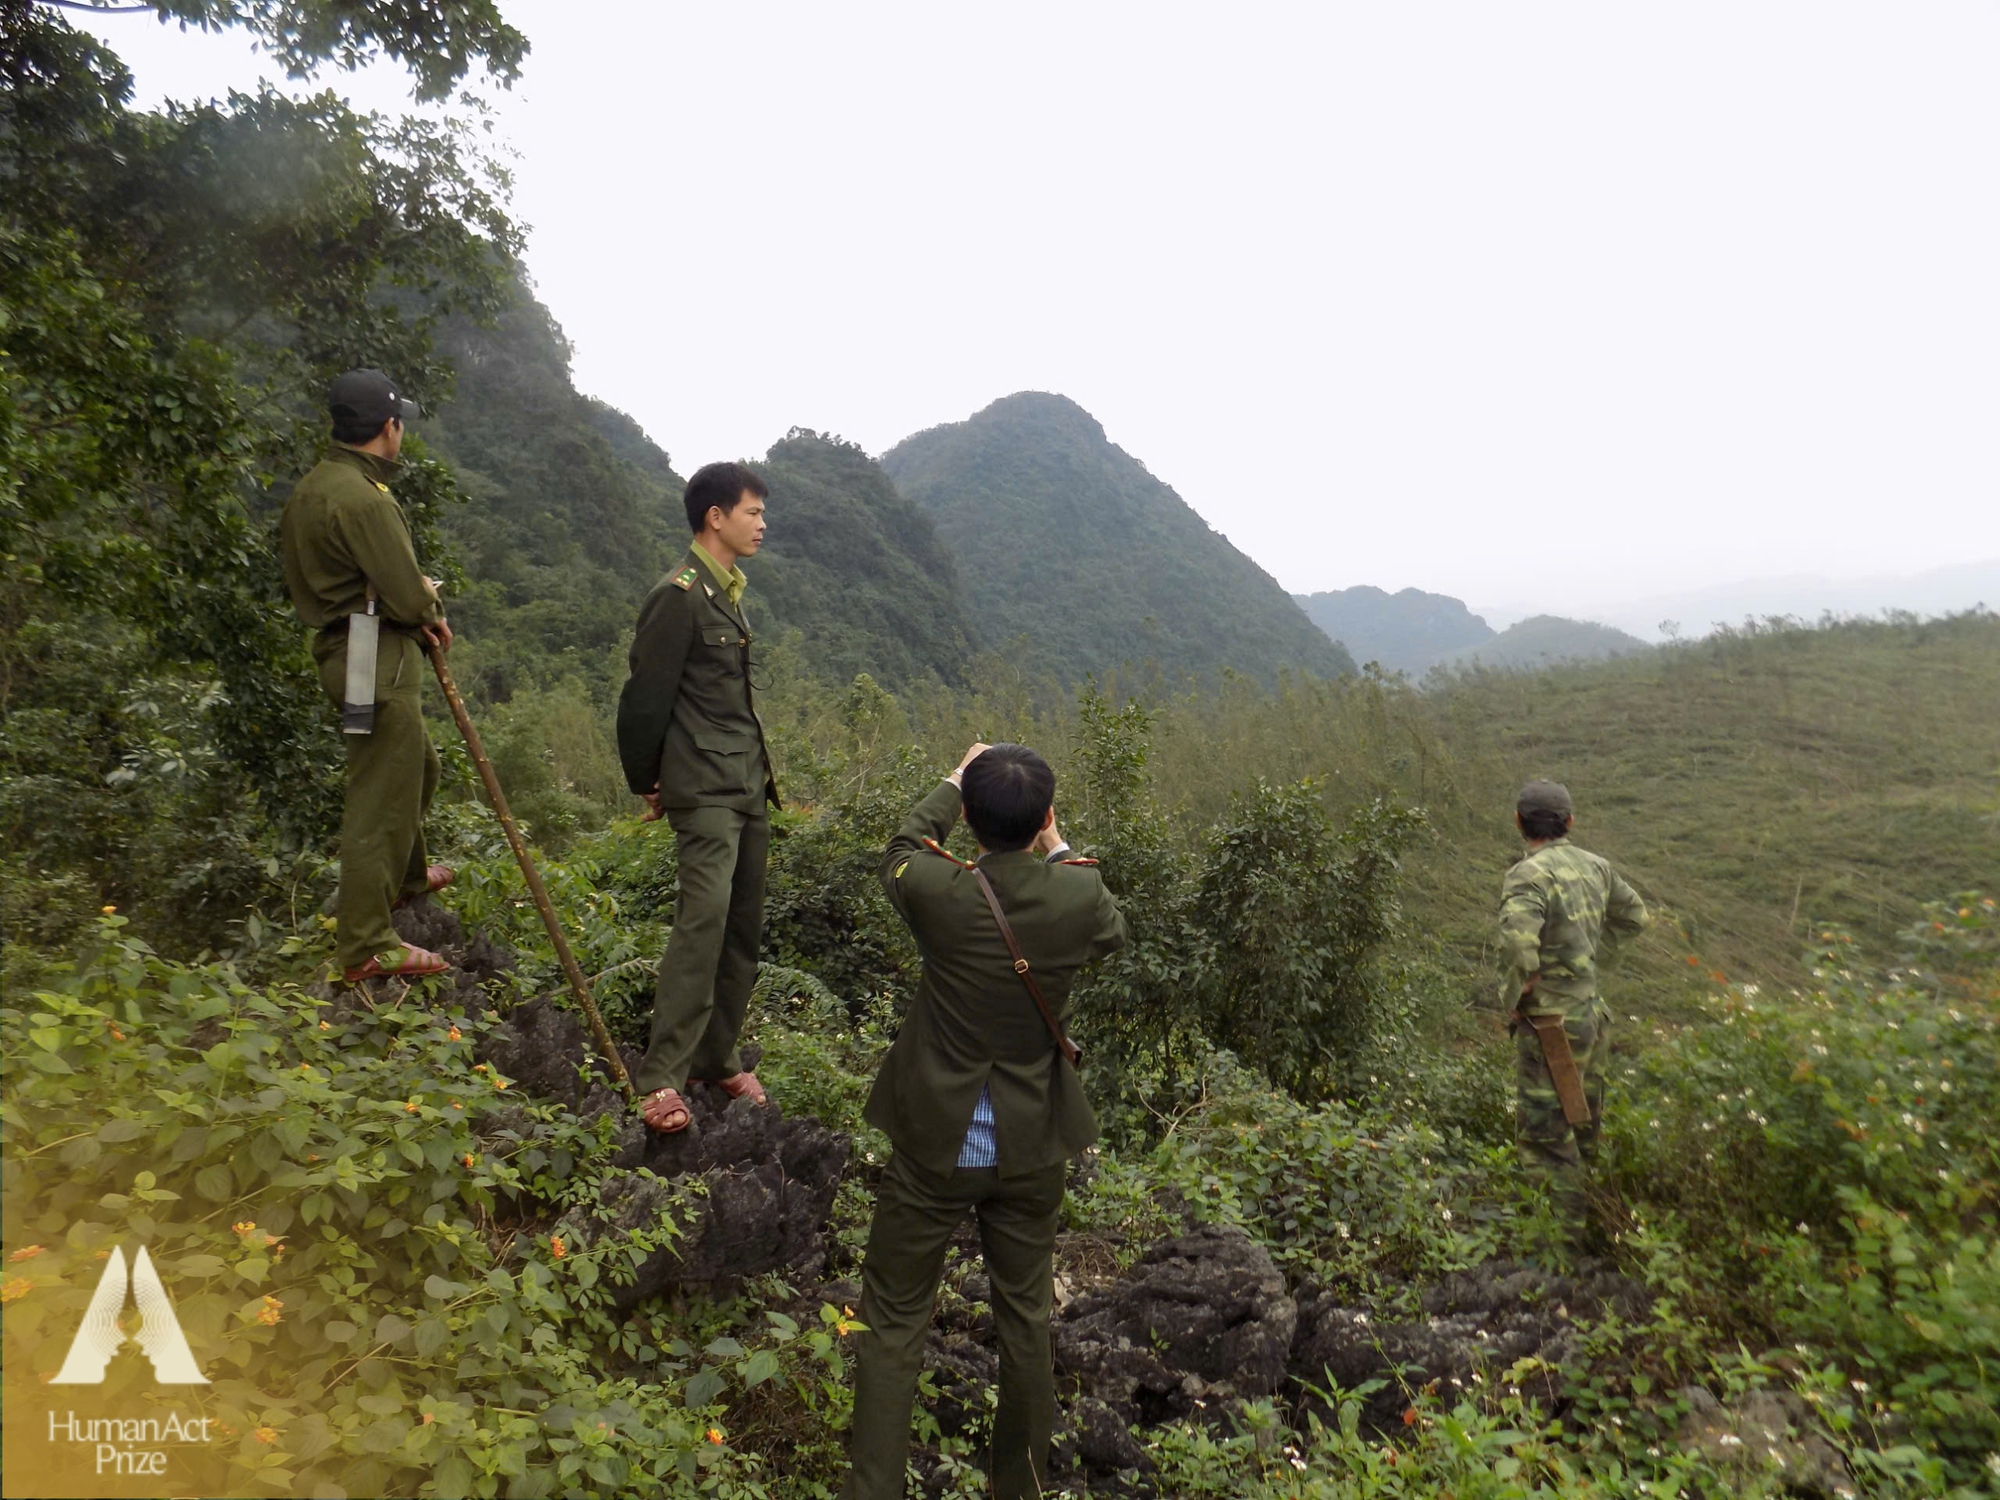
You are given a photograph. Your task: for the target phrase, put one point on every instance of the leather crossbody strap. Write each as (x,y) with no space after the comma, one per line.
(1064,1045)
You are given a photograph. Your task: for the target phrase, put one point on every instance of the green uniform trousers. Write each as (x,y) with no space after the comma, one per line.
(710,965)
(916,1213)
(1547,1140)
(391,775)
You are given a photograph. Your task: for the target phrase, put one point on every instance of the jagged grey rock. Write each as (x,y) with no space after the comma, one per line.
(1477,1323)
(1198,1321)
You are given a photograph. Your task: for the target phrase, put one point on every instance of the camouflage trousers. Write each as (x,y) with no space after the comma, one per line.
(1546,1138)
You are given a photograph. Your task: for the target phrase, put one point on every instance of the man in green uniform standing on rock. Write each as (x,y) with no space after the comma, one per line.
(353,574)
(693,747)
(1557,906)
(981,1100)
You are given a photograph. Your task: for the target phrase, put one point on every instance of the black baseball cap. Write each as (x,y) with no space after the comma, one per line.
(1544,796)
(367,399)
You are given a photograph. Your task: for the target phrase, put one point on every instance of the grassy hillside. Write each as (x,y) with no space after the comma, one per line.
(1064,538)
(1542,640)
(1405,631)
(1751,784)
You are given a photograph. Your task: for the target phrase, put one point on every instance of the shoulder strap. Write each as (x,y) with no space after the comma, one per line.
(1064,1045)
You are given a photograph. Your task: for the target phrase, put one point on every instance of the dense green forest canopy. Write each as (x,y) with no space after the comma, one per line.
(857,569)
(176,288)
(1064,539)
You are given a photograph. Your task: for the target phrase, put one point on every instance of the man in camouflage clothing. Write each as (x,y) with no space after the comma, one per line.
(1556,906)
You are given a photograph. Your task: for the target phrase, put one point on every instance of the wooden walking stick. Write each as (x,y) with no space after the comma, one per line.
(578,985)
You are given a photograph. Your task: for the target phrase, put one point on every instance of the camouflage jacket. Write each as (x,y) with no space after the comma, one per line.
(1556,906)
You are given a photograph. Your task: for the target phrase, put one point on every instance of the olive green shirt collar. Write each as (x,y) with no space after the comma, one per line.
(377,468)
(731,581)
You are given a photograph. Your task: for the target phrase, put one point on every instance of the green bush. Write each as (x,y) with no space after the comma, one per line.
(1835,1156)
(360,1225)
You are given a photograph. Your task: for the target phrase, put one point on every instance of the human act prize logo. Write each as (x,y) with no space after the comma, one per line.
(99,1336)
(129,1446)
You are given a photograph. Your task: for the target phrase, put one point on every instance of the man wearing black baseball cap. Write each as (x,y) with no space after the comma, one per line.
(352,571)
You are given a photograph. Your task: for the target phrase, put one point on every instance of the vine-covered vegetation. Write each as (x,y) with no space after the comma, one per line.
(383,1245)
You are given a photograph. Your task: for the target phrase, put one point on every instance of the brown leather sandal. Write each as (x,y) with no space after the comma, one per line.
(743,1085)
(665,1111)
(436,878)
(406,962)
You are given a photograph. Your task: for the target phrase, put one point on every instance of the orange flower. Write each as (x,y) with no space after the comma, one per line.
(1693,962)
(556,1246)
(266,1434)
(429,1417)
(468,1161)
(269,1314)
(499,1082)
(1718,976)
(326,1026)
(1409,1416)
(715,1434)
(411,1108)
(108,910)
(26,1252)
(456,1105)
(453,1034)
(14,1288)
(270,1239)
(117,1035)
(479,1067)
(305,1067)
(244,1228)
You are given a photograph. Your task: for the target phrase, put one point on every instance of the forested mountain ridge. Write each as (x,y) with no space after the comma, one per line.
(574,512)
(856,568)
(1064,538)
(1405,631)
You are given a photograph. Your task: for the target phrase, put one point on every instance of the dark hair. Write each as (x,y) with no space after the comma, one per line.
(720,485)
(1544,823)
(355,434)
(1007,792)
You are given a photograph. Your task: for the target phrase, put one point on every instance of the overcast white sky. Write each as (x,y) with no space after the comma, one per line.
(1653,297)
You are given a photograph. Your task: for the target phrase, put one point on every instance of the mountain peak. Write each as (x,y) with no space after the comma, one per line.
(1064,538)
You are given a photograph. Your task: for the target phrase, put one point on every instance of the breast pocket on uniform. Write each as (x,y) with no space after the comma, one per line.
(725,762)
(725,644)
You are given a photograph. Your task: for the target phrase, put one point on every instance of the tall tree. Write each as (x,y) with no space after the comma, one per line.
(175,289)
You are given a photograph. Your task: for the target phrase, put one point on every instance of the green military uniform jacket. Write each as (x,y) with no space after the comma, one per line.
(687,717)
(1556,905)
(973,1023)
(342,531)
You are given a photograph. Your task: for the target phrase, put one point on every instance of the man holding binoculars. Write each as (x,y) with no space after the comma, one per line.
(981,1100)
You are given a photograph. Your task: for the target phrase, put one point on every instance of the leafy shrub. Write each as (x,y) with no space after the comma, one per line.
(361,1223)
(1834,1155)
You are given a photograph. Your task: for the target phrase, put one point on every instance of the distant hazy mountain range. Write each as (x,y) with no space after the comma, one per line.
(1936,591)
(1412,631)
(1021,523)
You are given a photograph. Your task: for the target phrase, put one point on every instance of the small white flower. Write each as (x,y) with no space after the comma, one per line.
(1730,1440)
(1344,1232)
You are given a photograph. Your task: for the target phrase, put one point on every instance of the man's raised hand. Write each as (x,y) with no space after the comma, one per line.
(979,748)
